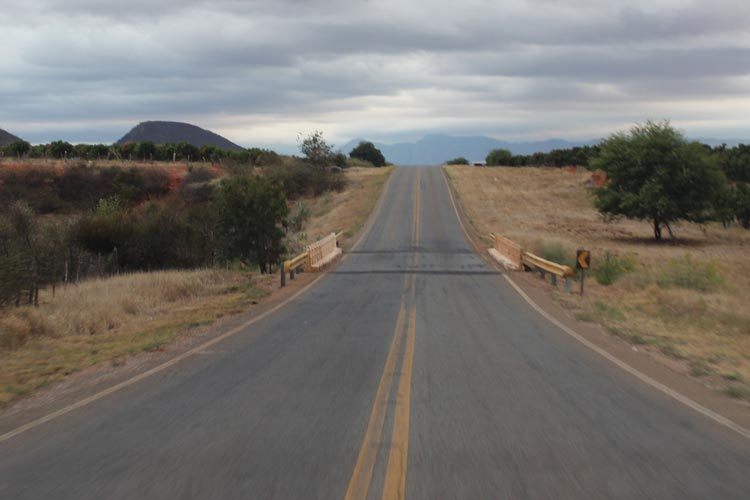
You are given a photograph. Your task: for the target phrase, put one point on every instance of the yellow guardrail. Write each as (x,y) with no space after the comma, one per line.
(296,262)
(308,260)
(534,261)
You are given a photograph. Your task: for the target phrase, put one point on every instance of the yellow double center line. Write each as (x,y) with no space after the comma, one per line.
(394,486)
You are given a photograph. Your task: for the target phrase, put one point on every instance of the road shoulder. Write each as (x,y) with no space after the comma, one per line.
(651,364)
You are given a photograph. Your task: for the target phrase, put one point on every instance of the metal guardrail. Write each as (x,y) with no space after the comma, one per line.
(512,255)
(297,262)
(544,266)
(534,261)
(304,261)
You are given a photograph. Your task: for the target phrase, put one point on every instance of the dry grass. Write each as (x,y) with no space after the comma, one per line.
(687,298)
(346,211)
(108,319)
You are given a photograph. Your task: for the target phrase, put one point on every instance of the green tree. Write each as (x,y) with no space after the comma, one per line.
(316,150)
(499,157)
(60,149)
(145,150)
(458,161)
(251,213)
(654,173)
(368,152)
(17,148)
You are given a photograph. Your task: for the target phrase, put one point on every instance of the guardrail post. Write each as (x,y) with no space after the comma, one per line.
(568,282)
(283,275)
(554,280)
(291,274)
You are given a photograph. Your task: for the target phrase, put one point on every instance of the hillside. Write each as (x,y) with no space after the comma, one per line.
(161,132)
(7,138)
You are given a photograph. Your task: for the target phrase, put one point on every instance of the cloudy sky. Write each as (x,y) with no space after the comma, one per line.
(261,71)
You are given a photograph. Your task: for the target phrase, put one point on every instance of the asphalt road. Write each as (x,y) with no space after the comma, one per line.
(412,368)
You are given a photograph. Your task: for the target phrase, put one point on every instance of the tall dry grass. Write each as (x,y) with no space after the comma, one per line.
(110,318)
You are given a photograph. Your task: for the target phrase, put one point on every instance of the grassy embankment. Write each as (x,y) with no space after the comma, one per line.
(686,298)
(109,319)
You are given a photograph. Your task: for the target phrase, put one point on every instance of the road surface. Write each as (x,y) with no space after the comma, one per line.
(411,369)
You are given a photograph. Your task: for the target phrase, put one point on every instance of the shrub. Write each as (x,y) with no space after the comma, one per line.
(200,174)
(556,252)
(684,272)
(368,152)
(299,215)
(611,268)
(297,180)
(458,161)
(499,157)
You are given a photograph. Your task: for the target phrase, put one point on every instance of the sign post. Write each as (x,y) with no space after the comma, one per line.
(583,262)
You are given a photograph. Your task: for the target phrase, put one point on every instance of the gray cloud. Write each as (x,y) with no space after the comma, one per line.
(259,71)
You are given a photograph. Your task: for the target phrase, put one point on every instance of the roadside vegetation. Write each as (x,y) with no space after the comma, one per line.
(685,297)
(99,261)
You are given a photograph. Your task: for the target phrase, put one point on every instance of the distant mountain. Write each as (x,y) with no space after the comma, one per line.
(160,132)
(437,149)
(7,138)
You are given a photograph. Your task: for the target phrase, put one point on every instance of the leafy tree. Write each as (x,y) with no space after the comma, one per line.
(60,149)
(316,150)
(145,150)
(340,160)
(458,161)
(250,213)
(17,148)
(499,157)
(368,152)
(653,173)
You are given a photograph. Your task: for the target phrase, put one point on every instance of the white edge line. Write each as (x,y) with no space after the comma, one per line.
(196,350)
(618,362)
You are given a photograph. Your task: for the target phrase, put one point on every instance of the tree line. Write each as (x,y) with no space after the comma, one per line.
(65,225)
(140,151)
(313,147)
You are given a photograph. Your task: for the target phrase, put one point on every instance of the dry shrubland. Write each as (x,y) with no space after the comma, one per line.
(108,319)
(686,297)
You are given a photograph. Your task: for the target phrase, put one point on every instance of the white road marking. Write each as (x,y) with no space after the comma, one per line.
(618,362)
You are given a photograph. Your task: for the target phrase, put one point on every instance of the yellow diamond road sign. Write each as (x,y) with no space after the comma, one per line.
(584,259)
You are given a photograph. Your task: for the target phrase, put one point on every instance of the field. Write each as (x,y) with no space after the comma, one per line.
(106,320)
(686,298)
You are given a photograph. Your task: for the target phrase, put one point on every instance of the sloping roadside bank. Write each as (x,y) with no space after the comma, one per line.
(170,313)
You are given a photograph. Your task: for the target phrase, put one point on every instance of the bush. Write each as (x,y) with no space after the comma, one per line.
(299,216)
(499,157)
(555,252)
(368,152)
(200,174)
(611,268)
(458,161)
(684,272)
(297,180)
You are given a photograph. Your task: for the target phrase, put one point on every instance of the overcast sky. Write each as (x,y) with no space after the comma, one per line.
(259,72)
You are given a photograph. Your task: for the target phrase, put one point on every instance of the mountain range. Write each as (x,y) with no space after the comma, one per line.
(163,132)
(436,149)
